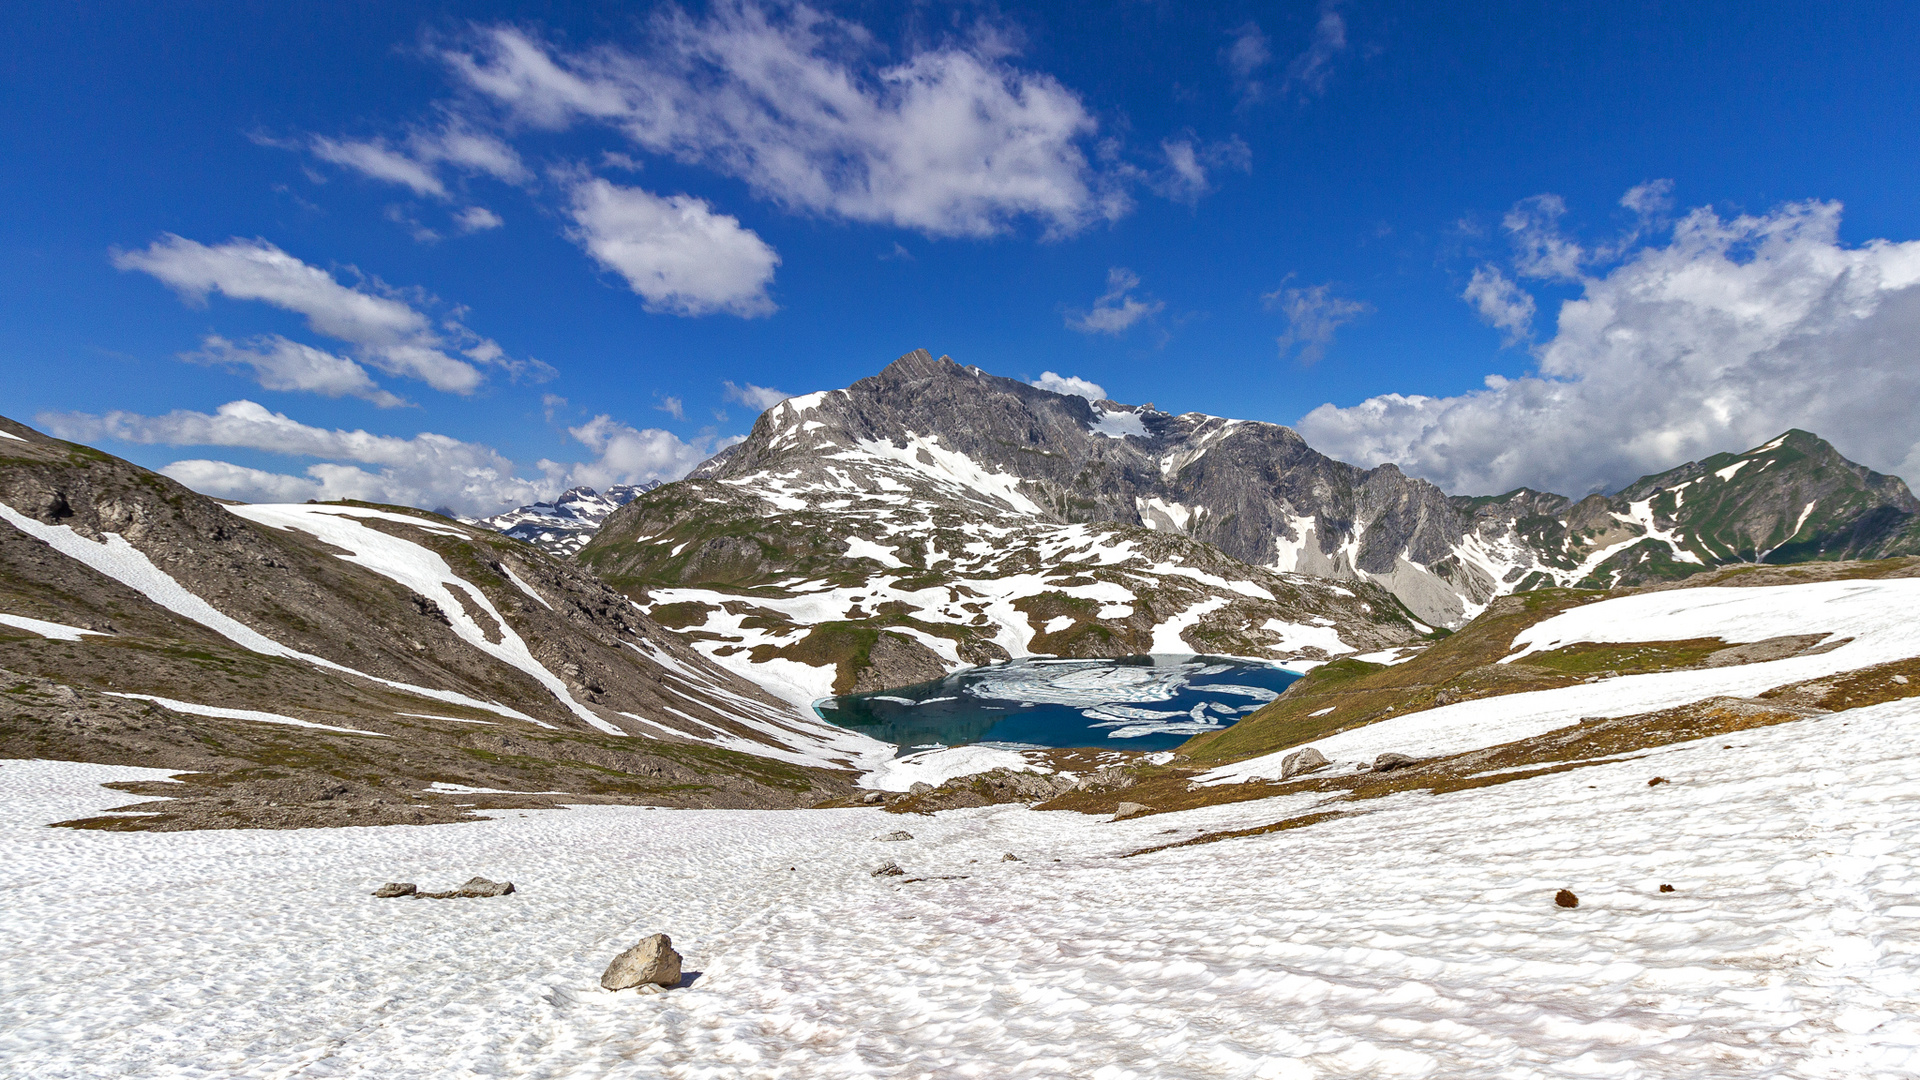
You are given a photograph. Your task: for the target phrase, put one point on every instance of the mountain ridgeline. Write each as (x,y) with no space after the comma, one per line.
(1255,492)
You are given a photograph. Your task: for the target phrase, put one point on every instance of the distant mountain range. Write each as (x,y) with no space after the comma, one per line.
(563,526)
(940,515)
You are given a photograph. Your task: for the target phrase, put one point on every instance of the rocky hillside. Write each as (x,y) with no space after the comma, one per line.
(563,526)
(829,469)
(371,652)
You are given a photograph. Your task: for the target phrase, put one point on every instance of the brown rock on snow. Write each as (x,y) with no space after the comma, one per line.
(650,963)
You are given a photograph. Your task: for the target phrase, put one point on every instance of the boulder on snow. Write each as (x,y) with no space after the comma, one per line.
(1129,809)
(1301,762)
(480,886)
(919,787)
(1566,899)
(897,834)
(1390,762)
(872,797)
(396,888)
(891,869)
(650,963)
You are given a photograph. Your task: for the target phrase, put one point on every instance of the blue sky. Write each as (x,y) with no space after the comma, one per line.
(465,255)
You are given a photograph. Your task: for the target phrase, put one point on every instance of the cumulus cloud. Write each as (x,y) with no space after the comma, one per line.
(1312,68)
(1314,315)
(757,398)
(952,141)
(1500,303)
(280,364)
(628,455)
(477,219)
(1729,333)
(415,162)
(427,470)
(1071,384)
(676,252)
(387,333)
(1117,309)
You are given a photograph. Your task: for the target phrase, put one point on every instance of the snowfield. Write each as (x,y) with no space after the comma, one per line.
(1417,938)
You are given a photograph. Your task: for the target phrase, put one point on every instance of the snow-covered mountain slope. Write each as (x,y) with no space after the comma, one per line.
(1793,499)
(843,568)
(956,441)
(1415,936)
(206,634)
(563,526)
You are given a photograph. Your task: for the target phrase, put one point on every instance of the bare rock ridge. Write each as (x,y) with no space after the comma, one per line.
(931,474)
(346,663)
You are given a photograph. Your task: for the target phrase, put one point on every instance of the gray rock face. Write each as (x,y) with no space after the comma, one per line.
(1301,762)
(1390,762)
(396,888)
(919,787)
(653,962)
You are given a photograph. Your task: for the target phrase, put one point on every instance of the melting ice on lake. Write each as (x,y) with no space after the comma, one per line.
(1135,702)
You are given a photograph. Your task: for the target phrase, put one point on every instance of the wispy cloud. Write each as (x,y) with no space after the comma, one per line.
(1314,315)
(1245,57)
(952,141)
(427,470)
(1117,309)
(1190,165)
(280,364)
(1310,70)
(418,160)
(757,398)
(387,333)
(673,407)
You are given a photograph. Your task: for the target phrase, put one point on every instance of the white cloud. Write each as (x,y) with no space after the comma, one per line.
(1071,384)
(629,455)
(1250,51)
(1539,249)
(1187,175)
(1730,333)
(388,334)
(280,364)
(1311,69)
(1116,310)
(1500,303)
(952,141)
(415,162)
(1313,316)
(757,398)
(477,219)
(673,407)
(427,470)
(676,252)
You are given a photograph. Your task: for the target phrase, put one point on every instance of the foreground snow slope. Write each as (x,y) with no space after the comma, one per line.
(1416,939)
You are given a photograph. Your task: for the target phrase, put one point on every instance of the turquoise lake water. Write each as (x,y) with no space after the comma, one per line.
(1133,703)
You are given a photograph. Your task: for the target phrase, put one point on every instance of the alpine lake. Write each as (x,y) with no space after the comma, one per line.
(1131,703)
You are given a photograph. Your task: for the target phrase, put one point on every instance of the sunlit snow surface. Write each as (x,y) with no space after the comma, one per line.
(1419,939)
